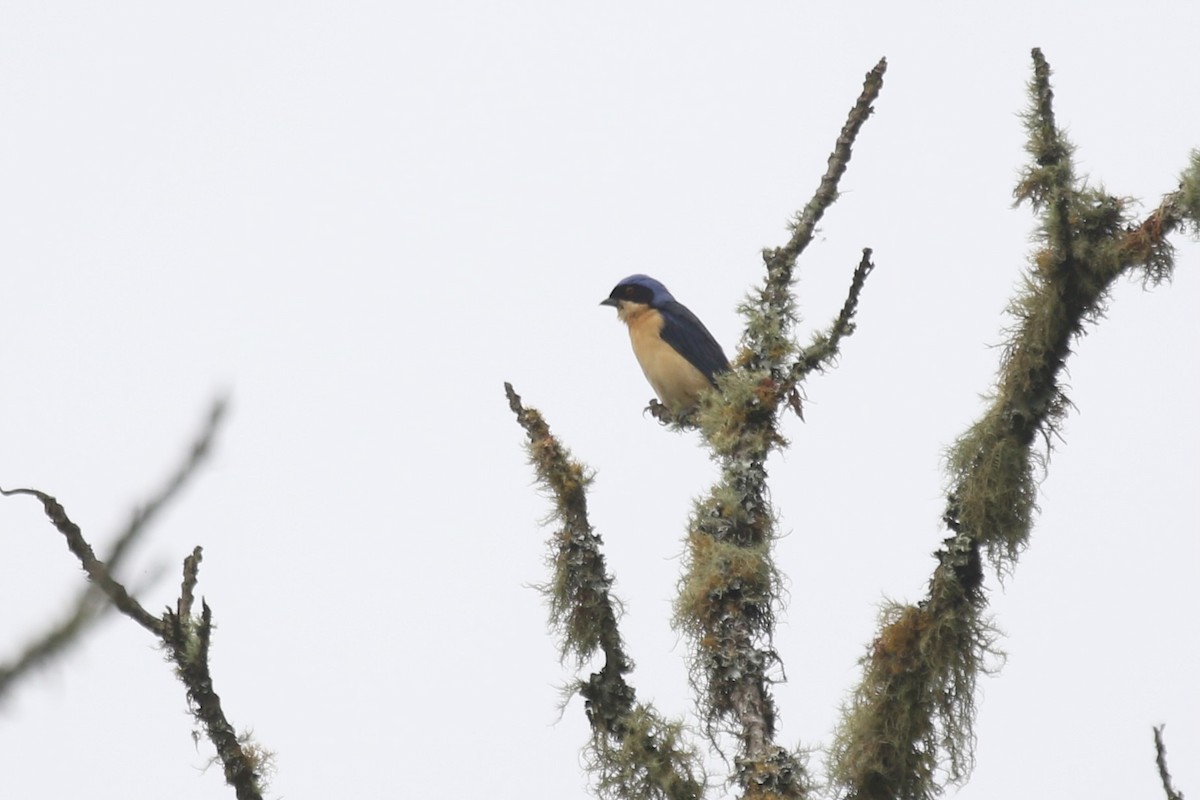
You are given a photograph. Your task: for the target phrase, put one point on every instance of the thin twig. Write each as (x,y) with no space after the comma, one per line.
(1160,758)
(824,347)
(191,574)
(88,608)
(93,566)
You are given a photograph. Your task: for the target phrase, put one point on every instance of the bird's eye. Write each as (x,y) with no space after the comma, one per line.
(628,291)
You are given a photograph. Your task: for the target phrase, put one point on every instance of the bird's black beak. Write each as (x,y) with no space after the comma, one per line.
(610,301)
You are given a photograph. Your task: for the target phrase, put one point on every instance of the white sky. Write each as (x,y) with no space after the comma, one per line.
(361,218)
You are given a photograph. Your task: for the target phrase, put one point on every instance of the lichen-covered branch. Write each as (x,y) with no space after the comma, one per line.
(912,715)
(771,312)
(805,224)
(188,640)
(635,753)
(730,585)
(825,344)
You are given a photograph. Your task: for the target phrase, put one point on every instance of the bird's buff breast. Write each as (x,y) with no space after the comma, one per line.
(676,382)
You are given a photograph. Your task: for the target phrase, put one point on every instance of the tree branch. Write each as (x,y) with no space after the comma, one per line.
(730,585)
(635,753)
(186,640)
(824,348)
(91,601)
(1160,759)
(93,566)
(916,699)
(806,221)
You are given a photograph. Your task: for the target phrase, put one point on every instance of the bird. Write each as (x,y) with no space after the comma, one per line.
(678,355)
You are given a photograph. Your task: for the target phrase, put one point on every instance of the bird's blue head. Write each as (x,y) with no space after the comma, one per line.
(638,289)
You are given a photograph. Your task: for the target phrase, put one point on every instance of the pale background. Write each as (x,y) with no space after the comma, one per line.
(359,219)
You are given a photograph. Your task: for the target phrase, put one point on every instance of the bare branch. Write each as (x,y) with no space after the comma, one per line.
(89,604)
(95,568)
(1160,759)
(187,643)
(191,574)
(186,639)
(197,453)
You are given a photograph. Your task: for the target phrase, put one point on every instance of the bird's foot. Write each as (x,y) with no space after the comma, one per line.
(665,416)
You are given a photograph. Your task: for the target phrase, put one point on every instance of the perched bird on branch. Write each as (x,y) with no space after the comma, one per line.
(678,355)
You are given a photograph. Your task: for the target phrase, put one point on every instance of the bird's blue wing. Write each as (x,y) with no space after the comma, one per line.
(688,336)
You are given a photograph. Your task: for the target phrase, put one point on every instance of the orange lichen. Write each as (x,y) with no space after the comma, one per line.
(897,648)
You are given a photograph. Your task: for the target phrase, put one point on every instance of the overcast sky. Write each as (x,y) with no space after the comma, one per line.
(359,219)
